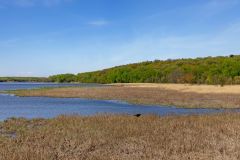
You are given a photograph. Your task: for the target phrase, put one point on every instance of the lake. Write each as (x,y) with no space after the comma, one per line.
(44,107)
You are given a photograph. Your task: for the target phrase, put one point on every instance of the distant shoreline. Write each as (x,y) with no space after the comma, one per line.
(220,70)
(24,79)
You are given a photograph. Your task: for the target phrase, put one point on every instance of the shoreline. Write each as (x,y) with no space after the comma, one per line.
(120,101)
(180,96)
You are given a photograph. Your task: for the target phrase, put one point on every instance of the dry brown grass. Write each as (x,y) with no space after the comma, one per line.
(146,95)
(122,137)
(227,89)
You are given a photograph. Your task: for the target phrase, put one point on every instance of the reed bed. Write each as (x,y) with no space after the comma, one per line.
(153,94)
(122,137)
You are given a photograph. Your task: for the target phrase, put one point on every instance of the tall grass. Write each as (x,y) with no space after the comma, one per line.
(188,97)
(122,137)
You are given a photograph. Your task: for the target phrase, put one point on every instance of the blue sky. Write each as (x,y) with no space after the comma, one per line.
(45,37)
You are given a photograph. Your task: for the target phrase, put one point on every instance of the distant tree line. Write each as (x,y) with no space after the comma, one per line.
(209,70)
(24,79)
(64,78)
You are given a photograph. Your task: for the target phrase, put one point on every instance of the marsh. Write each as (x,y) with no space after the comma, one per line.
(44,105)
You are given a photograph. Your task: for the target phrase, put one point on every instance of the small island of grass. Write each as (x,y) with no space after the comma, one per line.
(180,95)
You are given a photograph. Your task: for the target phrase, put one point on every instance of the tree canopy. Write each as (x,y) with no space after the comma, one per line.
(208,70)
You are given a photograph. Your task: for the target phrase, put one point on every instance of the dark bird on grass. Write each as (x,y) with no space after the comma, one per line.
(137,115)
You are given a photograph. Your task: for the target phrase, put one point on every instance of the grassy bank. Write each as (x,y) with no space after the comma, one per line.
(188,96)
(122,137)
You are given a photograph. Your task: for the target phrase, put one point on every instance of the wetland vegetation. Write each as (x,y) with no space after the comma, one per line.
(210,136)
(180,95)
(122,137)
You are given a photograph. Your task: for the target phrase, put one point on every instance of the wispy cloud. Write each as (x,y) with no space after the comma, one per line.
(31,3)
(98,23)
(222,3)
(217,6)
(207,9)
(150,47)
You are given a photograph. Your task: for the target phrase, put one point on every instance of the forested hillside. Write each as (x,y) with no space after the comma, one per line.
(209,70)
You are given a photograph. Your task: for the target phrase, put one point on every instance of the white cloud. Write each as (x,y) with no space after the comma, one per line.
(98,23)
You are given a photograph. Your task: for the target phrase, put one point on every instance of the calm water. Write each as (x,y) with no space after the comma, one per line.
(43,107)
(14,86)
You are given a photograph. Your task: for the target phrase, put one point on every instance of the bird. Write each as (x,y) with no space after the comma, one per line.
(137,115)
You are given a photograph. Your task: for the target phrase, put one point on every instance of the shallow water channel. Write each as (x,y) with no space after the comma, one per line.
(44,107)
